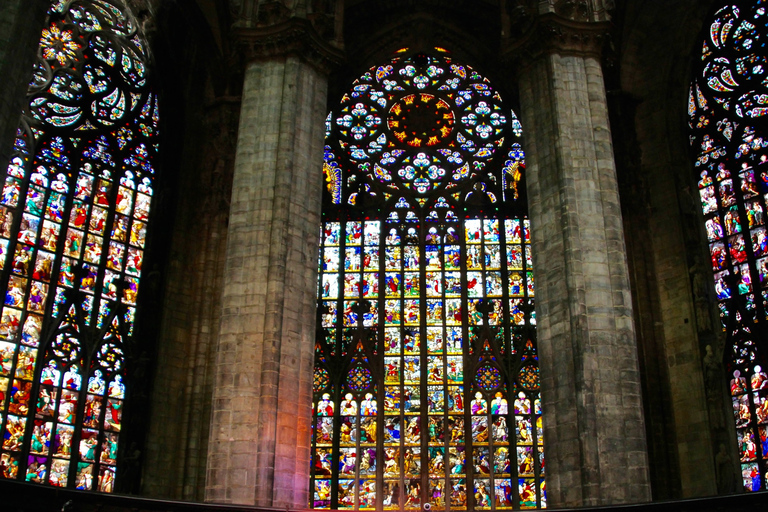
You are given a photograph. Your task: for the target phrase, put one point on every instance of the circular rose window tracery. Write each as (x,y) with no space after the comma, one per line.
(420,120)
(420,124)
(92,70)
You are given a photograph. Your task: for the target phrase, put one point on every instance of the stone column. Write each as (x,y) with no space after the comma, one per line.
(259,447)
(593,430)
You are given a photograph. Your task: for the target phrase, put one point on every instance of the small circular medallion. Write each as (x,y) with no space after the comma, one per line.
(488,378)
(359,378)
(529,377)
(419,120)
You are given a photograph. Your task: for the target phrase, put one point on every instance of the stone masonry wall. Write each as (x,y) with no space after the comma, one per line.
(177,441)
(596,453)
(658,51)
(260,432)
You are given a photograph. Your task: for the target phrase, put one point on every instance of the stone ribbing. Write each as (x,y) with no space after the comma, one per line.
(658,54)
(681,342)
(21,22)
(594,433)
(177,442)
(260,432)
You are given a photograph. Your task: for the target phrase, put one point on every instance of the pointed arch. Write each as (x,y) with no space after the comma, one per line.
(426,285)
(727,121)
(74,215)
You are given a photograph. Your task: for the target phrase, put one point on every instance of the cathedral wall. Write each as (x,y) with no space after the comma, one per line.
(259,443)
(672,280)
(178,439)
(590,377)
(200,127)
(667,254)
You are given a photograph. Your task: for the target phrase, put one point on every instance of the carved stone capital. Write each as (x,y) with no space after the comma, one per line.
(254,13)
(295,36)
(578,10)
(574,9)
(551,33)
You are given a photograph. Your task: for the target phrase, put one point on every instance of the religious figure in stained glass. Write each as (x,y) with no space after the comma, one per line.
(728,112)
(74,216)
(426,373)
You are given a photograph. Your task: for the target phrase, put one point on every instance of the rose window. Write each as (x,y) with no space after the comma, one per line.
(420,125)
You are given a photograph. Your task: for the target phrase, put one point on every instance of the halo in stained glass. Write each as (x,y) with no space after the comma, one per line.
(359,378)
(320,380)
(529,377)
(488,377)
(332,175)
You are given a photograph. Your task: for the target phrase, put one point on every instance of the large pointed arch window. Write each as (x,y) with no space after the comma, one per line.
(426,375)
(73,222)
(728,109)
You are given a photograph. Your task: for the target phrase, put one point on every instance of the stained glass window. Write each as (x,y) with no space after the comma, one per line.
(728,109)
(426,387)
(73,221)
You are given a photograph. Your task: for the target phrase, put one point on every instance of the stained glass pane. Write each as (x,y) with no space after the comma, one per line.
(73,222)
(727,106)
(426,299)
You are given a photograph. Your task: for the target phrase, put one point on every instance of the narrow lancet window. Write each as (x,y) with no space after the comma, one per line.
(728,112)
